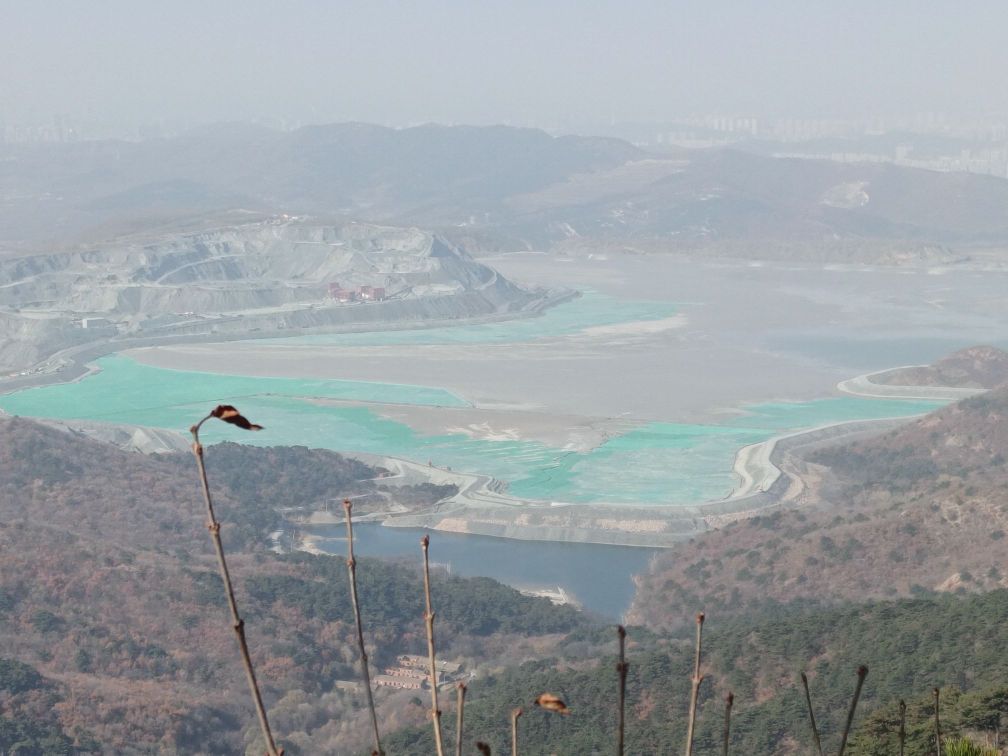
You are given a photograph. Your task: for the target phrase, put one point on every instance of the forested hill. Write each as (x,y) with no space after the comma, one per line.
(114,636)
(910,647)
(95,489)
(964,443)
(917,509)
(979,367)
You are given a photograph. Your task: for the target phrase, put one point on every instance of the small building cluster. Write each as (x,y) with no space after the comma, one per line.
(360,294)
(411,673)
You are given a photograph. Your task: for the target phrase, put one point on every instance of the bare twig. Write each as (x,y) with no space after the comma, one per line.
(458,724)
(697,679)
(729,702)
(230,414)
(621,667)
(429,621)
(902,729)
(365,674)
(515,713)
(937,720)
(862,672)
(811,715)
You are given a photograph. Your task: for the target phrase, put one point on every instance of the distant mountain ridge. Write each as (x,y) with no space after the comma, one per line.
(434,175)
(505,188)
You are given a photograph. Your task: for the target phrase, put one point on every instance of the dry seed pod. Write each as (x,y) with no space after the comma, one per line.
(553,703)
(229,414)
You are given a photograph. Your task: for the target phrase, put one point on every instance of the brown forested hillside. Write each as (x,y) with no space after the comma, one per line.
(111,604)
(974,367)
(921,508)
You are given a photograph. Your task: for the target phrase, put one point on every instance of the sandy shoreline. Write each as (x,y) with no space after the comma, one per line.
(864,386)
(577,390)
(758,472)
(482,505)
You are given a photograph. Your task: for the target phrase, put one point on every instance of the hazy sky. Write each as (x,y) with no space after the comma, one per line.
(544,62)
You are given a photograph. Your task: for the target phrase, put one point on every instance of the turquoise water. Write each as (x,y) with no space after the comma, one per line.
(655,463)
(589,310)
(125,391)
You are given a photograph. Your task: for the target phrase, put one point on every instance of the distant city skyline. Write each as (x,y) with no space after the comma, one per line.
(707,129)
(560,65)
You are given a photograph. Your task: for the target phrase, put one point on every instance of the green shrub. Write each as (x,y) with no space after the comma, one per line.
(966,747)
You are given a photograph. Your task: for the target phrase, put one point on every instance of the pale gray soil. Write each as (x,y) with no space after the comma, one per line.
(748,334)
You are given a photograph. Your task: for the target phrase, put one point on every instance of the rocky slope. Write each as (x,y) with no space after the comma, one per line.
(918,509)
(268,276)
(980,367)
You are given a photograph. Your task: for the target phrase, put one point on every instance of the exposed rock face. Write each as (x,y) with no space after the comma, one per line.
(266,276)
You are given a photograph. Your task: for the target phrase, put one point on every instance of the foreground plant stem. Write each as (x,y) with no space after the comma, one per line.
(697,679)
(458,724)
(238,624)
(937,700)
(861,674)
(429,618)
(621,667)
(902,729)
(515,713)
(365,674)
(811,715)
(729,702)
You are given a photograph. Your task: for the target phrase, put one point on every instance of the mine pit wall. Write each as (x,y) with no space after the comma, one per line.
(250,279)
(372,316)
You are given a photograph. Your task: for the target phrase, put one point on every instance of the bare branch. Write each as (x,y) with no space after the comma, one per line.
(937,721)
(862,672)
(697,679)
(621,667)
(459,709)
(811,715)
(237,623)
(515,713)
(365,674)
(729,702)
(429,621)
(902,729)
